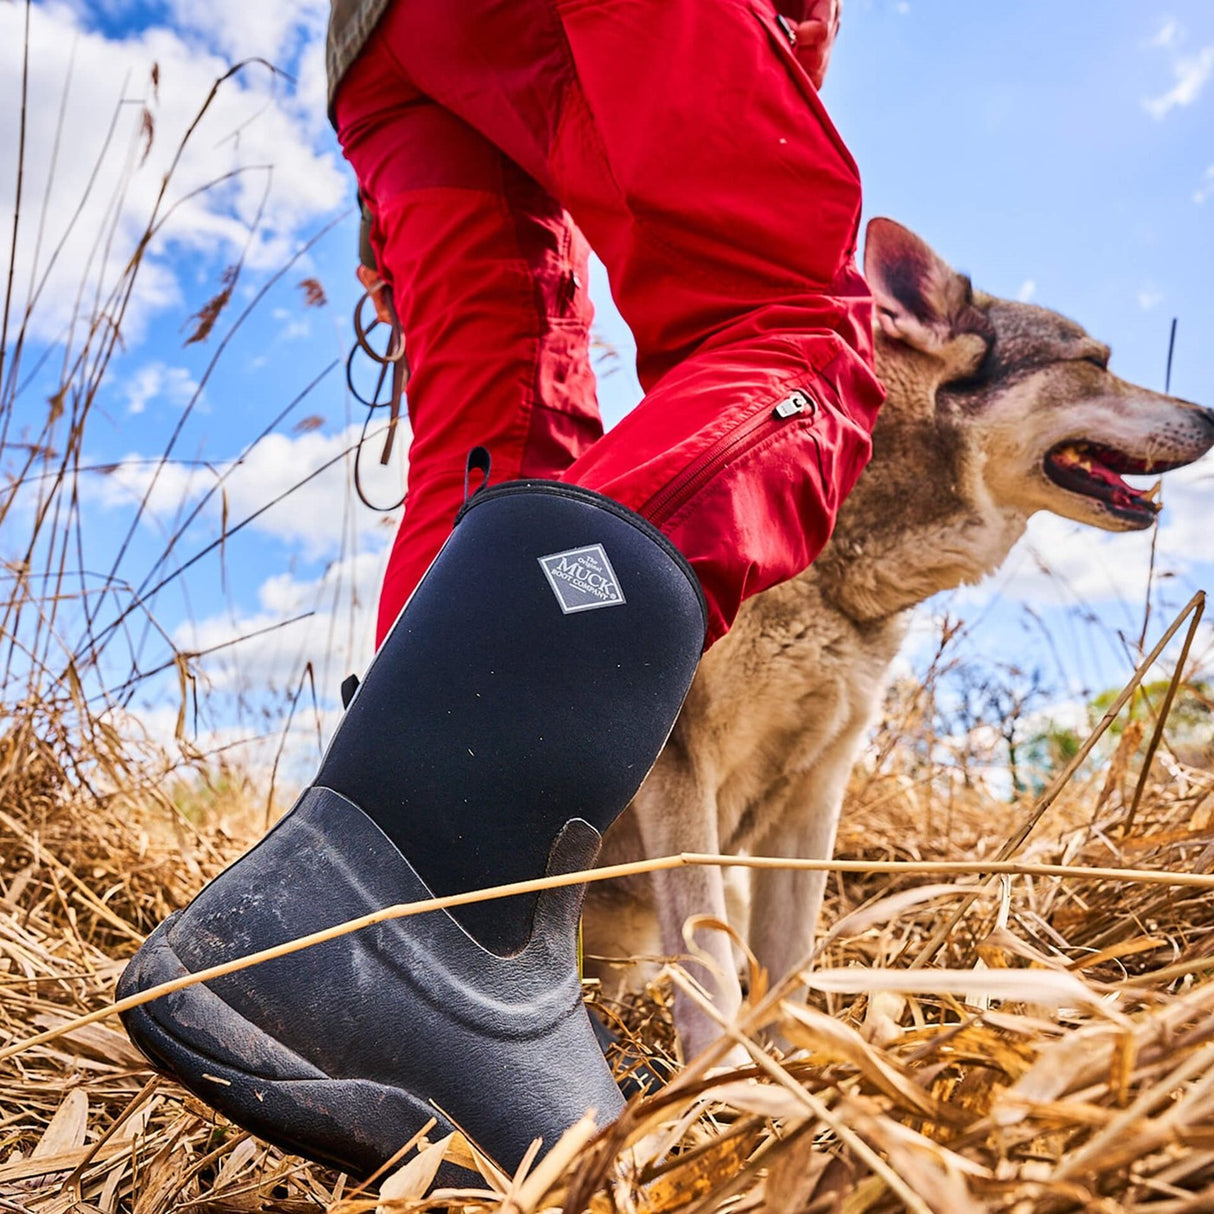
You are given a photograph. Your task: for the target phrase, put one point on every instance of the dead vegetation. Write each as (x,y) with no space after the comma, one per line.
(1053,1050)
(1036,1042)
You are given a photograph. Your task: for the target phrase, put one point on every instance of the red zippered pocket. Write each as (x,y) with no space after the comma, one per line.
(749,432)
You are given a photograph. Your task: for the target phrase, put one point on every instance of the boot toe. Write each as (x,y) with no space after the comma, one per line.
(343,1051)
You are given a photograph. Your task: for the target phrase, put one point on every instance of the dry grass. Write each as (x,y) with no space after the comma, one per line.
(1057,1053)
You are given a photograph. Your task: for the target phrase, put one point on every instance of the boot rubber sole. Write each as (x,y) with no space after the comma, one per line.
(343,1051)
(351,1124)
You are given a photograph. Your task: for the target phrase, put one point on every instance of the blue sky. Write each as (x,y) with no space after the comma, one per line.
(1062,153)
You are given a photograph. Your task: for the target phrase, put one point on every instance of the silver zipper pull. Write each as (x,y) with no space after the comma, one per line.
(794,403)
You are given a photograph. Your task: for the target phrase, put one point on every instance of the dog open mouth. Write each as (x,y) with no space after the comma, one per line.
(1094,470)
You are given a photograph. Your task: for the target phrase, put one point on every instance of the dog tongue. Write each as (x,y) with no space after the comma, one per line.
(1084,461)
(1085,468)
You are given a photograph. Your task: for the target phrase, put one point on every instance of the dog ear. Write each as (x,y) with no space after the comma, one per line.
(919,298)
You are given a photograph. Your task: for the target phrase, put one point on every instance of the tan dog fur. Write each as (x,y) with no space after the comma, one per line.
(980,390)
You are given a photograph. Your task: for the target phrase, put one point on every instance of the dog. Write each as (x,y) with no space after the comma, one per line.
(995,410)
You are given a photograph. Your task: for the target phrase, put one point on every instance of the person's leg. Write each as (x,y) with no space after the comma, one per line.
(529,683)
(488,275)
(693,151)
(510,714)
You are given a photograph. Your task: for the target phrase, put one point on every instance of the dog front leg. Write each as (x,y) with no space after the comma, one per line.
(785,903)
(677,812)
(620,938)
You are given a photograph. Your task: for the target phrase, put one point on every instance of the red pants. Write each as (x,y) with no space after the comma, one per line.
(691,149)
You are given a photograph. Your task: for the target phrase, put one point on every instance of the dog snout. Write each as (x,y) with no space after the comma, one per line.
(1201,424)
(1192,412)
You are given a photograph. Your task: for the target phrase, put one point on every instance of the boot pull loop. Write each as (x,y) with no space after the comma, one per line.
(478,461)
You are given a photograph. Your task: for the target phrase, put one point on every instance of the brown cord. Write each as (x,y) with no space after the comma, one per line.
(393,357)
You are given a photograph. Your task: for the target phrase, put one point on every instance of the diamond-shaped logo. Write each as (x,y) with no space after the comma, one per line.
(582,579)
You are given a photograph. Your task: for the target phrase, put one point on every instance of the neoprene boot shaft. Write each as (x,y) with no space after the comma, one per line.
(521,697)
(522,689)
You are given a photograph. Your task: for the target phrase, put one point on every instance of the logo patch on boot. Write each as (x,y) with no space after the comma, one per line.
(582,579)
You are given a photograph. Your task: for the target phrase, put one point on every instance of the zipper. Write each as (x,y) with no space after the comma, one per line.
(751,431)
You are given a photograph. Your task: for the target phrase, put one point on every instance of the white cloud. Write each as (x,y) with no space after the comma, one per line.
(1201,656)
(337,636)
(1149,297)
(1206,189)
(312,88)
(1185,522)
(249,666)
(1062,563)
(321,516)
(266,759)
(241,30)
(156,381)
(1169,31)
(1191,73)
(292,326)
(255,147)
(169,486)
(1028,288)
(256,660)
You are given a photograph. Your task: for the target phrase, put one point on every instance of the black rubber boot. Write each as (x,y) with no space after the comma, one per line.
(515,707)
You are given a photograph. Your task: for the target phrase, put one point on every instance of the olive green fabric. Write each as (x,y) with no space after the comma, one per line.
(350,25)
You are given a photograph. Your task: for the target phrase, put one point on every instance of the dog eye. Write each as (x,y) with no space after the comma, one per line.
(977,379)
(967,383)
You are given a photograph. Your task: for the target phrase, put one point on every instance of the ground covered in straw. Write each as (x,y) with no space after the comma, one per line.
(1050,1050)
